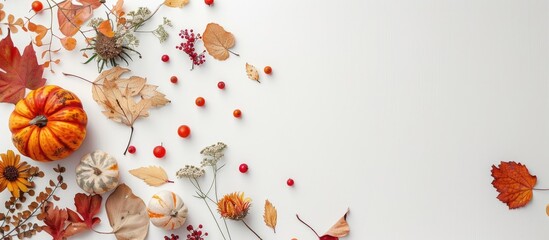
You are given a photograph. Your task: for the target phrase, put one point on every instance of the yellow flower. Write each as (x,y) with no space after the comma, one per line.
(234,206)
(14,174)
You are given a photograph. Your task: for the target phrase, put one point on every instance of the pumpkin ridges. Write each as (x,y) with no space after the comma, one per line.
(70,115)
(34,150)
(61,100)
(70,134)
(23,110)
(51,146)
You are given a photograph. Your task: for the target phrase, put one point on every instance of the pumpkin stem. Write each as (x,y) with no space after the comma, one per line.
(40,121)
(97,171)
(173,213)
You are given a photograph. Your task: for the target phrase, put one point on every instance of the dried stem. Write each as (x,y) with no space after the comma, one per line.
(76,76)
(251,229)
(130,140)
(307,225)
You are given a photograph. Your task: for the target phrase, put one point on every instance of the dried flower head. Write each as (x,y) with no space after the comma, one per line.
(190,172)
(234,206)
(14,174)
(212,154)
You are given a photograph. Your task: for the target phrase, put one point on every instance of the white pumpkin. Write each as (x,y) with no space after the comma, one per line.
(167,210)
(97,172)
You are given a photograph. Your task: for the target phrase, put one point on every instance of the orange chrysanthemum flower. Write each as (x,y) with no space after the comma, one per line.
(234,206)
(14,174)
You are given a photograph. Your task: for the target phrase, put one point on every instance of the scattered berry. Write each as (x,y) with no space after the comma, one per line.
(209,2)
(165,58)
(200,101)
(131,149)
(221,85)
(195,234)
(243,168)
(290,182)
(159,151)
(37,6)
(188,47)
(184,131)
(173,79)
(268,70)
(172,237)
(237,113)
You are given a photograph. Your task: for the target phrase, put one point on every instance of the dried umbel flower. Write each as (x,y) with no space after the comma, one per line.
(190,172)
(234,206)
(212,154)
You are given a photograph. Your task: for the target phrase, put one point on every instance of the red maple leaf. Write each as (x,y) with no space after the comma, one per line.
(17,71)
(88,206)
(514,184)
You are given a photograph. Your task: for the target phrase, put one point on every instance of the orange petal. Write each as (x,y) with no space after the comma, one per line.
(105,28)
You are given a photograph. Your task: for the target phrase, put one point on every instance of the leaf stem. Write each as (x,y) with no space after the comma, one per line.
(307,225)
(129,141)
(541,189)
(251,229)
(236,54)
(76,76)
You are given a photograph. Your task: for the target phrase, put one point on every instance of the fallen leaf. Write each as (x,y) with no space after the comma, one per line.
(40,31)
(92,3)
(105,28)
(18,71)
(270,215)
(71,17)
(152,175)
(127,214)
(339,229)
(88,206)
(117,9)
(13,23)
(218,41)
(252,72)
(176,3)
(55,221)
(514,184)
(68,43)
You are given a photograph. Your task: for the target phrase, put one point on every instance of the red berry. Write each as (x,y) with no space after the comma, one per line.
(165,58)
(184,131)
(268,70)
(209,2)
(131,149)
(159,151)
(243,168)
(221,85)
(37,6)
(173,79)
(200,101)
(290,182)
(237,113)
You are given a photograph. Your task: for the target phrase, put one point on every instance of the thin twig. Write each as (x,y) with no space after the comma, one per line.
(251,229)
(307,225)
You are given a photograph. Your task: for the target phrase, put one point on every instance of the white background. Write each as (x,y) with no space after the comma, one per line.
(396,109)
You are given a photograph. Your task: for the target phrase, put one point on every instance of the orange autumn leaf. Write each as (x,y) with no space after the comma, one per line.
(514,184)
(106,29)
(71,17)
(40,31)
(117,9)
(68,43)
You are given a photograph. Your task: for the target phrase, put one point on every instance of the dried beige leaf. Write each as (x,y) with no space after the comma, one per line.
(340,228)
(152,175)
(176,3)
(252,72)
(127,214)
(270,215)
(218,41)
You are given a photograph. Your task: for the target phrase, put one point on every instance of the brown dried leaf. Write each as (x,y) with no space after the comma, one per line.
(340,228)
(270,215)
(252,72)
(218,41)
(152,175)
(127,214)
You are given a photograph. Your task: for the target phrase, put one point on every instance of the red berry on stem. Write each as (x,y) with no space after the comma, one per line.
(173,79)
(209,2)
(184,131)
(290,182)
(131,149)
(159,151)
(268,70)
(237,113)
(221,85)
(243,168)
(165,58)
(200,101)
(37,6)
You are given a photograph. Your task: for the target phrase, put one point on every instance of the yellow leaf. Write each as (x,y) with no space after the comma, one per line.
(270,215)
(68,43)
(218,41)
(252,72)
(106,28)
(152,175)
(176,3)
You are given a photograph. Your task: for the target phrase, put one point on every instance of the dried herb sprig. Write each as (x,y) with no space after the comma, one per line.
(17,220)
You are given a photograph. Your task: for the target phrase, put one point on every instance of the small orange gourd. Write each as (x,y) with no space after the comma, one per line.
(48,124)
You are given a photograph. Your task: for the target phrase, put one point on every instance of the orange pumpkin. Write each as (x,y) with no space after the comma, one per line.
(48,124)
